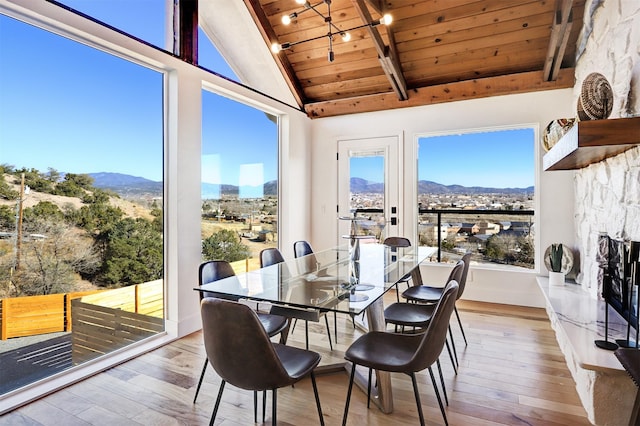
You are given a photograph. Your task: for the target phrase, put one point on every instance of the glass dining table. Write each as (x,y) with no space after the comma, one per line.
(338,279)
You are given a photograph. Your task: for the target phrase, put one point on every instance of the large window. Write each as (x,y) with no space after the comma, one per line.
(239,181)
(476,193)
(143,19)
(81,201)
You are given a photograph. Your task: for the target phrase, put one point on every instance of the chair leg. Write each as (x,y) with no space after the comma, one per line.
(335,327)
(417,394)
(326,320)
(293,327)
(369,388)
(346,406)
(215,408)
(274,405)
(453,345)
(204,368)
(315,393)
(306,334)
(460,324)
(255,406)
(453,362)
(435,387)
(444,389)
(264,404)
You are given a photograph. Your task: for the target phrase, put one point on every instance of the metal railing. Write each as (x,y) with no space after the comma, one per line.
(441,220)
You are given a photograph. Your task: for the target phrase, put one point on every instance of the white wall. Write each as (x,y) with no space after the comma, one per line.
(554,190)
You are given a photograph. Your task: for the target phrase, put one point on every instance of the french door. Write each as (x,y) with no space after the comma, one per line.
(369,187)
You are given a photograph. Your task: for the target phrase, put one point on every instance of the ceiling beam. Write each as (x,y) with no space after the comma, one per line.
(387,55)
(269,36)
(463,90)
(560,31)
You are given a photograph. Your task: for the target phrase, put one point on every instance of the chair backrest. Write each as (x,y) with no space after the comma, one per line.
(309,263)
(416,275)
(397,242)
(436,333)
(238,347)
(456,272)
(463,278)
(270,256)
(301,248)
(214,270)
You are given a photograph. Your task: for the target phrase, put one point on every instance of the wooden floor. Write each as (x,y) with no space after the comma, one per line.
(511,373)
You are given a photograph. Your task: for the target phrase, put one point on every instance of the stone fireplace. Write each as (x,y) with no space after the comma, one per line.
(607,194)
(606,201)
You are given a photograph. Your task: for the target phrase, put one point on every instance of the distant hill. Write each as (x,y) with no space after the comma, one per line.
(127,185)
(428,187)
(359,185)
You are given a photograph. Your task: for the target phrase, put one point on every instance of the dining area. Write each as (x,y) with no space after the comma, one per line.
(511,372)
(349,280)
(241,313)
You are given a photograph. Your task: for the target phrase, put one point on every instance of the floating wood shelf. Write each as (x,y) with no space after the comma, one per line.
(589,142)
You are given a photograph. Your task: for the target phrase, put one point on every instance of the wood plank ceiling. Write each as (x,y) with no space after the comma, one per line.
(434,50)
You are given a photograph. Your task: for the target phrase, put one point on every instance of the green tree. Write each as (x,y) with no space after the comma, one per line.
(158,218)
(83,181)
(53,175)
(44,210)
(134,253)
(96,217)
(224,245)
(7,168)
(5,190)
(7,218)
(34,180)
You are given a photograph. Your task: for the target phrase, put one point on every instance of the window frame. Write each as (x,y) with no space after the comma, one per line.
(535,127)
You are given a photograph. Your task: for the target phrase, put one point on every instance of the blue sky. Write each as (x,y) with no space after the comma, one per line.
(498,159)
(75,109)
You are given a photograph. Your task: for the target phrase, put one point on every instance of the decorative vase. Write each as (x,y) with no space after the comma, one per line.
(556,278)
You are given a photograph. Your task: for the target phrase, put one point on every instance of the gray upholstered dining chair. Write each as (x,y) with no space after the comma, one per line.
(429,294)
(273,256)
(418,316)
(241,353)
(214,270)
(405,353)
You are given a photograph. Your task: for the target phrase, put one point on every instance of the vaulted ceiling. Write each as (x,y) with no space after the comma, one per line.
(433,51)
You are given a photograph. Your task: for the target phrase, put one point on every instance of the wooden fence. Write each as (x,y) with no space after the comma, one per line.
(98,330)
(31,315)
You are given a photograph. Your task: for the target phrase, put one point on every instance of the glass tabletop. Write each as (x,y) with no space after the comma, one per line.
(334,279)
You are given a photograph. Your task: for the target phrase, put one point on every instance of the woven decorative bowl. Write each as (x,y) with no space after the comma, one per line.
(596,98)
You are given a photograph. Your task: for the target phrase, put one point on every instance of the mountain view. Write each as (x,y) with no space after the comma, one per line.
(128,185)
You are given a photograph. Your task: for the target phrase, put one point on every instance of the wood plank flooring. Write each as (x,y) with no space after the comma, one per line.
(511,373)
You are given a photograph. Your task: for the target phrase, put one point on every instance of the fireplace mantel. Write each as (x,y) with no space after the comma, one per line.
(606,391)
(589,142)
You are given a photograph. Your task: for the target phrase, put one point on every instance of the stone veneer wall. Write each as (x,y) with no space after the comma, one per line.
(607,194)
